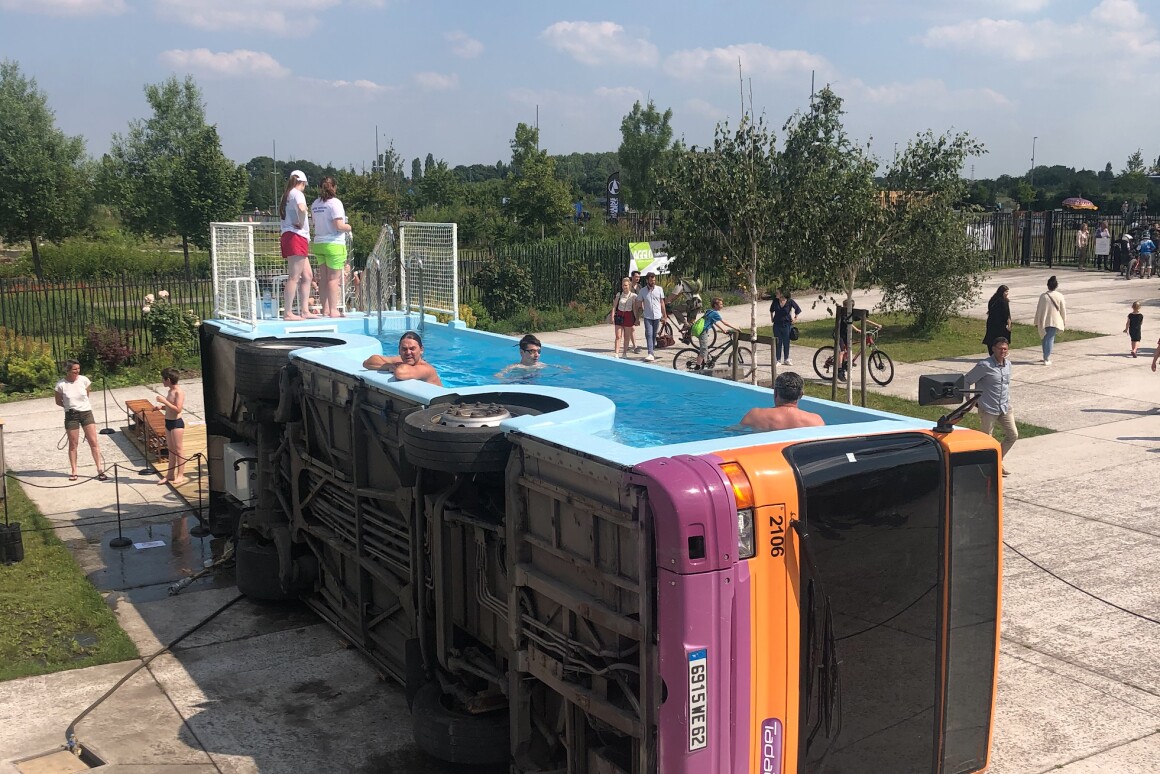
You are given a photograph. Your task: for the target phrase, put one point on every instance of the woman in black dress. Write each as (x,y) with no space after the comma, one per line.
(998,317)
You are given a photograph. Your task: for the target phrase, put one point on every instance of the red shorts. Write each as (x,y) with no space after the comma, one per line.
(294,245)
(625,319)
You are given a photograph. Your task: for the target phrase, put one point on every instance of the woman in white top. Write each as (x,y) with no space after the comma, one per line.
(296,247)
(623,316)
(1050,317)
(329,246)
(72,394)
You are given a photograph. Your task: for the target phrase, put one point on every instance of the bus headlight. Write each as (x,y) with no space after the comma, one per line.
(746,548)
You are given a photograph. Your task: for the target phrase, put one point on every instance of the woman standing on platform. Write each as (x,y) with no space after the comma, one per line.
(329,247)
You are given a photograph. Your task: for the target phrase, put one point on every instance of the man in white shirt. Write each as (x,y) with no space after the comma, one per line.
(652,299)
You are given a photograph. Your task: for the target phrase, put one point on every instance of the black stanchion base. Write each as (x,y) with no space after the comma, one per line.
(120,542)
(107,431)
(199,531)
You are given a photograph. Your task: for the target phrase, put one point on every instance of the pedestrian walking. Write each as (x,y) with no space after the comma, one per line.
(1050,317)
(623,318)
(784,311)
(992,379)
(1134,325)
(652,300)
(998,317)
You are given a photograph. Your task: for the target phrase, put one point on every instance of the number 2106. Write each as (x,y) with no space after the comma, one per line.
(776,534)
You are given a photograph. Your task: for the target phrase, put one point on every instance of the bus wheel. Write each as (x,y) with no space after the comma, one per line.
(436,439)
(449,733)
(258,363)
(256,572)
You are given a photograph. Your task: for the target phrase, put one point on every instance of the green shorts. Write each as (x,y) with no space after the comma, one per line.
(331,254)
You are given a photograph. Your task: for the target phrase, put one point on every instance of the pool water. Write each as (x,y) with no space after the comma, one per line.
(655,406)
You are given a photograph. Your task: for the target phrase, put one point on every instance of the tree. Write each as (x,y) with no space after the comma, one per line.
(438,187)
(932,268)
(416,170)
(428,163)
(537,199)
(725,203)
(1135,164)
(144,164)
(46,182)
(645,139)
(389,167)
(207,187)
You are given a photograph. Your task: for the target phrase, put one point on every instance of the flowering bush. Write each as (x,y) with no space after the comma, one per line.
(172,327)
(108,348)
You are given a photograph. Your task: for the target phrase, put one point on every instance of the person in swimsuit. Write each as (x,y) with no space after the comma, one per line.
(174,404)
(408,364)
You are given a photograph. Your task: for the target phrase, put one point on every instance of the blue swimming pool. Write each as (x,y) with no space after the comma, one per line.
(655,405)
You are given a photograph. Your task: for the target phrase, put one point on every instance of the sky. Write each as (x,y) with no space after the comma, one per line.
(1075,81)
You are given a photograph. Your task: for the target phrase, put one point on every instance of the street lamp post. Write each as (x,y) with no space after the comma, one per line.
(1033,139)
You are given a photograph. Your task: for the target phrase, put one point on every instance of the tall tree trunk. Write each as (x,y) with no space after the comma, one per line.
(37,268)
(185,249)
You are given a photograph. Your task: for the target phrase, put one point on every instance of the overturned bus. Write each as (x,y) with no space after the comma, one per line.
(588,567)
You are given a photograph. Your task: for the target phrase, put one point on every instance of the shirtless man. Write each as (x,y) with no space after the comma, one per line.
(529,358)
(785,414)
(409,363)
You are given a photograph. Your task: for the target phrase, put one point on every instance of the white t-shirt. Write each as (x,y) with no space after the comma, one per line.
(653,300)
(294,200)
(324,214)
(75,393)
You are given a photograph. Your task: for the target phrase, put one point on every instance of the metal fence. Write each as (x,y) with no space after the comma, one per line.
(62,313)
(1043,238)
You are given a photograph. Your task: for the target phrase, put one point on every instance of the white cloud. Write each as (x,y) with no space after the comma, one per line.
(600,43)
(358,86)
(436,81)
(240,62)
(65,7)
(757,61)
(618,93)
(928,93)
(285,18)
(1115,29)
(705,109)
(463,45)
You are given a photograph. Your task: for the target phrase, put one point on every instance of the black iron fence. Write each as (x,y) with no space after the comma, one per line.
(62,313)
(1045,238)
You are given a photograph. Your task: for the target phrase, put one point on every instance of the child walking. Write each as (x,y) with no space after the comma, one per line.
(1132,328)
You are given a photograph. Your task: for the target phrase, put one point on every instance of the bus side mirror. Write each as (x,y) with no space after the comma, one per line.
(941,389)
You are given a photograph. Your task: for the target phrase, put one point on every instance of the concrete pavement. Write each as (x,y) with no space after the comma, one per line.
(265,689)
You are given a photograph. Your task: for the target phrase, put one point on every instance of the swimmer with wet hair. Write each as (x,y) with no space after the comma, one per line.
(785,414)
(408,364)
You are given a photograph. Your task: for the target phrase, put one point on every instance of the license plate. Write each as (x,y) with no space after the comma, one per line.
(698,699)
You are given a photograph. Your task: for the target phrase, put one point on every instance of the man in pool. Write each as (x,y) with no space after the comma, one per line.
(409,364)
(529,357)
(785,414)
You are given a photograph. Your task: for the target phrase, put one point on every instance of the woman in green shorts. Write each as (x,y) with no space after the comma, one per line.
(329,246)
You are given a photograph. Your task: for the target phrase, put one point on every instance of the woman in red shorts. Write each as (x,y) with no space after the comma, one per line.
(296,247)
(623,317)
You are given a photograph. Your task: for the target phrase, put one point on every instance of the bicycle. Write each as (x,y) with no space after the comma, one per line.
(686,359)
(878,363)
(686,337)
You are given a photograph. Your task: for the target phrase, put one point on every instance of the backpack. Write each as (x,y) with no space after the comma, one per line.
(698,327)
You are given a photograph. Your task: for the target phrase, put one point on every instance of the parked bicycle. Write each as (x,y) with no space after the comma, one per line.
(727,352)
(878,363)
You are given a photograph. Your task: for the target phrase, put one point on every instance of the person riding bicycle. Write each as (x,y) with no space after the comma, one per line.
(844,342)
(710,320)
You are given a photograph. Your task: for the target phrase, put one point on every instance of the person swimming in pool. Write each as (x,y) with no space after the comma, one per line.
(408,364)
(529,359)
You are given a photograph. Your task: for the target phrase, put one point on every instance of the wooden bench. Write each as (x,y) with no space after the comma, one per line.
(147,421)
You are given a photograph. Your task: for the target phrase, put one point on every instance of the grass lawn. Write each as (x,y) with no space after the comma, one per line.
(961,336)
(910,408)
(53,618)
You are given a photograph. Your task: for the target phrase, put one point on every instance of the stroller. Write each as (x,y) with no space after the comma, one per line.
(1122,254)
